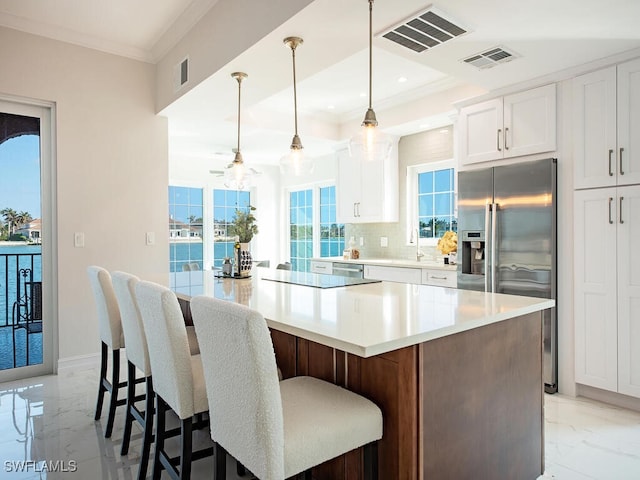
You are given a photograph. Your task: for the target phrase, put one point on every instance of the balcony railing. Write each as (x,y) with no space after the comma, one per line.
(20,309)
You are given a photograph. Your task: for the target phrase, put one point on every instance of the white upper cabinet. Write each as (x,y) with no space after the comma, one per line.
(366,191)
(511,126)
(606,113)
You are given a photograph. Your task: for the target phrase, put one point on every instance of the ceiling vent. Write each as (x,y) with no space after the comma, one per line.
(490,58)
(424,31)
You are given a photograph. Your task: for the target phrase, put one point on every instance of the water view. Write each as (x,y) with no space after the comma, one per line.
(14,258)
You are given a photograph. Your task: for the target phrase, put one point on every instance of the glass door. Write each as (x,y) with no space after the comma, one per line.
(26,249)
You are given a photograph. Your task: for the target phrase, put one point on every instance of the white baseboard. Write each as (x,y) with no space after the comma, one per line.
(79,362)
(612,398)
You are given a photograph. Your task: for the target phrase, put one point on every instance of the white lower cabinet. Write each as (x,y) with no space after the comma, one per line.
(393,274)
(418,276)
(442,278)
(607,288)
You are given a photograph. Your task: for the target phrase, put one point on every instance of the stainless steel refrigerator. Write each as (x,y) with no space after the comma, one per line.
(507,239)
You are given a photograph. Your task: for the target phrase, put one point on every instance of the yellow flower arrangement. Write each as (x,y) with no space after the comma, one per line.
(448,243)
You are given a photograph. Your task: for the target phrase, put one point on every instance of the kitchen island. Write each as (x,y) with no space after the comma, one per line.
(457,373)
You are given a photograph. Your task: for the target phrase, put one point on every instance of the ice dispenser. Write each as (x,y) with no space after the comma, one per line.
(473,252)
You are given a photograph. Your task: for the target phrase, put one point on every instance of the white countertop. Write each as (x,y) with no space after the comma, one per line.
(392,262)
(374,318)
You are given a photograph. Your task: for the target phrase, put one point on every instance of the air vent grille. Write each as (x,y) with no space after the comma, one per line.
(181,74)
(490,58)
(424,31)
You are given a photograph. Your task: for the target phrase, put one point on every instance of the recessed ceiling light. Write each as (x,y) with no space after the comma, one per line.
(402,79)
(331,107)
(363,94)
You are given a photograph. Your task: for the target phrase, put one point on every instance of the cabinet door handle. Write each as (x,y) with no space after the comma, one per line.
(621,171)
(610,202)
(438,278)
(621,220)
(354,209)
(358,209)
(506,131)
(610,171)
(498,140)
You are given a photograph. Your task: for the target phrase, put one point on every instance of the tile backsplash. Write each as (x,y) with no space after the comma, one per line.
(397,242)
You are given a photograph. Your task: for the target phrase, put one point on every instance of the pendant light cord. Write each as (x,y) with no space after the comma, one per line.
(239,88)
(370,50)
(295,95)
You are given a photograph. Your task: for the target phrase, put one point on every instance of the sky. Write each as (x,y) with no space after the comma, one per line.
(20,174)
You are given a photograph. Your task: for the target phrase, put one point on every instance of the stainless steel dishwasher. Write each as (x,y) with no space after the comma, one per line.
(353,270)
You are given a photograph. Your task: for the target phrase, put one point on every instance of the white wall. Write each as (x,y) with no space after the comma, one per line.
(111,168)
(227,30)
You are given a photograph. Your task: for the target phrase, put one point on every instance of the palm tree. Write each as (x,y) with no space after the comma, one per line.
(10,216)
(22,218)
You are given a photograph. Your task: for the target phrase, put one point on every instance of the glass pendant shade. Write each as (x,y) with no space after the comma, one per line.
(237,175)
(295,162)
(370,144)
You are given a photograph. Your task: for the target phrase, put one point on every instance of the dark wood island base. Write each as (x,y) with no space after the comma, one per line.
(467,405)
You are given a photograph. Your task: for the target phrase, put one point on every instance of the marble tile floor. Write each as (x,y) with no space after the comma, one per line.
(47,424)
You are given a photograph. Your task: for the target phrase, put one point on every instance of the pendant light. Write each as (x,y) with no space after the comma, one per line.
(370,144)
(236,175)
(295,163)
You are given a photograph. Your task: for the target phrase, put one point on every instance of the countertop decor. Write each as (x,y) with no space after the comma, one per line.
(244,224)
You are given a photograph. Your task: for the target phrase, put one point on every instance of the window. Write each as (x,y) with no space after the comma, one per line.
(331,233)
(185,228)
(432,202)
(186,260)
(313,209)
(301,229)
(225,203)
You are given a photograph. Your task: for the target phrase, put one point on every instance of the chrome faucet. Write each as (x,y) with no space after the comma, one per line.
(419,253)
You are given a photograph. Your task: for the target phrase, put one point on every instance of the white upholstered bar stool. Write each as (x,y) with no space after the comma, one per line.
(124,285)
(178,379)
(275,429)
(137,357)
(111,338)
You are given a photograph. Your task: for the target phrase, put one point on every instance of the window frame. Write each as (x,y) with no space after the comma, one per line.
(412,197)
(315,199)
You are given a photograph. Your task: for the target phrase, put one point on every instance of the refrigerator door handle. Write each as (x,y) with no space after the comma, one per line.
(487,213)
(494,221)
